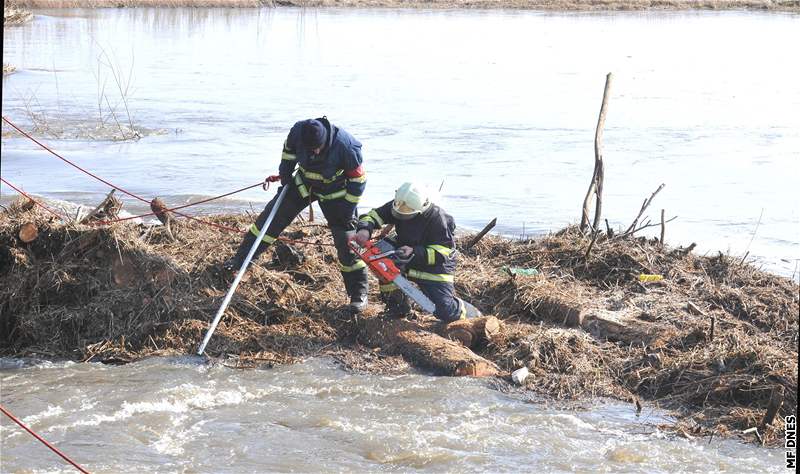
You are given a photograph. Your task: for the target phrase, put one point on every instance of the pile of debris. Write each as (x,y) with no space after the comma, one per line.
(711,338)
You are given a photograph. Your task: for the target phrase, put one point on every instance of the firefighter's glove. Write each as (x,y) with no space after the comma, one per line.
(285,180)
(405,252)
(361,237)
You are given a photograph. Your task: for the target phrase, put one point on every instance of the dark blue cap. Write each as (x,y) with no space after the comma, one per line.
(313,134)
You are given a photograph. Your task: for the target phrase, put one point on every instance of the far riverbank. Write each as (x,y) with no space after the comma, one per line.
(549,5)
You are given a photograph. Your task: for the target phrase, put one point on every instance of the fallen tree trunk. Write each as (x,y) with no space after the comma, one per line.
(614,326)
(620,326)
(421,347)
(473,332)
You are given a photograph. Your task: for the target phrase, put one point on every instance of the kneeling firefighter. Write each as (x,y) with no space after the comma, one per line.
(329,169)
(425,240)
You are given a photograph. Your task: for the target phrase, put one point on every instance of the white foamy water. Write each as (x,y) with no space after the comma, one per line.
(163,415)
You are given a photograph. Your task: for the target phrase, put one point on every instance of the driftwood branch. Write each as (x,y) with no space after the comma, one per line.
(591,244)
(646,225)
(632,228)
(106,205)
(596,185)
(480,234)
(663,228)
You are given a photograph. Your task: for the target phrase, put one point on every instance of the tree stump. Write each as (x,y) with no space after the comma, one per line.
(160,210)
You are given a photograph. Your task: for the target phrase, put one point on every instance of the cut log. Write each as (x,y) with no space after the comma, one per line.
(424,348)
(620,326)
(28,232)
(473,332)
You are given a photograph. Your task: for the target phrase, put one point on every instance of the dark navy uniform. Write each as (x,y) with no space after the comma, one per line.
(336,178)
(433,262)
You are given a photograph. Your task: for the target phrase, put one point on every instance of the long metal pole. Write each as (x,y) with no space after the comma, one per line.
(240,274)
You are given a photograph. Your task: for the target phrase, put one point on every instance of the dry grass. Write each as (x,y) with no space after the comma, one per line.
(124,292)
(554,5)
(14,14)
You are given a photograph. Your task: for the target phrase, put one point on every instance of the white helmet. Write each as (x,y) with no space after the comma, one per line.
(410,200)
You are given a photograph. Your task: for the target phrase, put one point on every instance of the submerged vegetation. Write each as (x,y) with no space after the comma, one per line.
(715,340)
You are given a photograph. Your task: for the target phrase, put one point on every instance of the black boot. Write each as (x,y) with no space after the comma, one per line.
(396,303)
(234,263)
(357,287)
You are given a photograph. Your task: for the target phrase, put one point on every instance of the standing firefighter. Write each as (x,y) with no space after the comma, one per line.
(329,169)
(425,240)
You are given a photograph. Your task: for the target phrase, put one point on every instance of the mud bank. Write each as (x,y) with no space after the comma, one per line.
(715,340)
(548,5)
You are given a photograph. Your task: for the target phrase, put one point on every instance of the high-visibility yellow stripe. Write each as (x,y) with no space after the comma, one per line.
(288,156)
(354,267)
(445,251)
(328,197)
(443,277)
(375,217)
(319,177)
(359,179)
(351,198)
(301,188)
(431,256)
(388,288)
(266,239)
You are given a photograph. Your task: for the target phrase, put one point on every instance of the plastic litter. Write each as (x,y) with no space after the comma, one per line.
(520,271)
(519,375)
(645,277)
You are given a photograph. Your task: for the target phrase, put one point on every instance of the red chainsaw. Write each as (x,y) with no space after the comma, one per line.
(379,258)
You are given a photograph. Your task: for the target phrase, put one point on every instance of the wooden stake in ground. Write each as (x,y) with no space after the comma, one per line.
(28,232)
(160,210)
(483,232)
(775,402)
(596,185)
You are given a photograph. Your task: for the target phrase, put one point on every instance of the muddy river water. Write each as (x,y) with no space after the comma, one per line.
(500,106)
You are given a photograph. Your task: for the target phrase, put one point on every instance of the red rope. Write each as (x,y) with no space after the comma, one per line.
(173,209)
(71,163)
(270,179)
(32,199)
(52,448)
